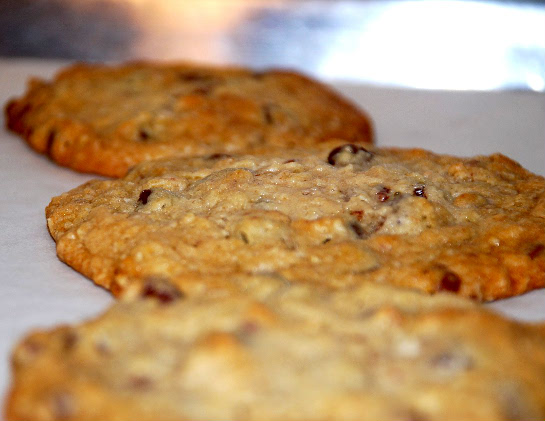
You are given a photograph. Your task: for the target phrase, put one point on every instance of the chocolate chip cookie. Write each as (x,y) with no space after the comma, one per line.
(369,353)
(340,215)
(104,119)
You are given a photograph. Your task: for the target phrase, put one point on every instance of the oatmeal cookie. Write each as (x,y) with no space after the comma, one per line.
(369,353)
(104,119)
(338,216)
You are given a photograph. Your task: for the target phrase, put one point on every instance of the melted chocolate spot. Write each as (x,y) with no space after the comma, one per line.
(420,191)
(384,194)
(143,135)
(50,140)
(450,282)
(144,195)
(218,156)
(267,114)
(358,214)
(349,154)
(536,251)
(194,77)
(289,161)
(162,290)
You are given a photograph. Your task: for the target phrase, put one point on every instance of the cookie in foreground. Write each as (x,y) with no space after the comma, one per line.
(369,353)
(104,119)
(340,216)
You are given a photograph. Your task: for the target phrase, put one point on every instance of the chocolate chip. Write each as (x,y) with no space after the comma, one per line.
(420,191)
(358,229)
(144,194)
(194,77)
(161,289)
(267,114)
(536,251)
(289,161)
(143,135)
(203,90)
(69,340)
(32,348)
(50,140)
(349,154)
(450,282)
(473,163)
(215,156)
(15,114)
(383,194)
(21,111)
(358,214)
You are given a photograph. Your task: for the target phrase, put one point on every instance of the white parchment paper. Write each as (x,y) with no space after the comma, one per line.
(38,291)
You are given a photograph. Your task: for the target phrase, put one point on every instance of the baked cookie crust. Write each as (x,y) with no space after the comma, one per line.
(368,353)
(104,119)
(339,216)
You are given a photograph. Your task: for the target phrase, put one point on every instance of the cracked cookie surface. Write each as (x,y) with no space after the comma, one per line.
(373,352)
(104,119)
(339,216)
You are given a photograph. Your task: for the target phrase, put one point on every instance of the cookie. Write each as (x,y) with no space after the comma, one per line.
(104,119)
(339,216)
(368,353)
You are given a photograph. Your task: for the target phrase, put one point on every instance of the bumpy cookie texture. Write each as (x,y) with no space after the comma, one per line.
(105,119)
(371,353)
(338,216)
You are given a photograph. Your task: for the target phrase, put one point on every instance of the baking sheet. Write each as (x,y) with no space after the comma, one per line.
(38,291)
